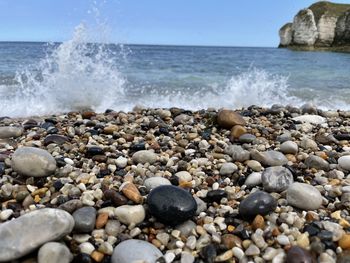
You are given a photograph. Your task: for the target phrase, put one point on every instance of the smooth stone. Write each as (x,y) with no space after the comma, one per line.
(171,204)
(237,153)
(130,214)
(257,203)
(269,158)
(121,162)
(134,250)
(154,182)
(253,179)
(254,165)
(55,138)
(308,144)
(85,219)
(312,119)
(186,228)
(276,179)
(26,233)
(228,118)
(116,198)
(247,138)
(71,205)
(344,257)
(30,161)
(216,195)
(289,147)
(144,156)
(228,169)
(344,162)
(304,196)
(10,132)
(94,150)
(184,176)
(316,162)
(54,252)
(297,255)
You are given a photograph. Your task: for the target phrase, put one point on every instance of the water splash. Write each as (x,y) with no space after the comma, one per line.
(75,75)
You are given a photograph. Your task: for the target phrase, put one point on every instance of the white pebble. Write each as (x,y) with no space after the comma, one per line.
(86,248)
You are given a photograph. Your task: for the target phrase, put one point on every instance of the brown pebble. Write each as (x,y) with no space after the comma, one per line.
(88,114)
(101,220)
(344,242)
(116,198)
(275,232)
(228,118)
(258,222)
(97,256)
(131,192)
(237,131)
(229,241)
(297,255)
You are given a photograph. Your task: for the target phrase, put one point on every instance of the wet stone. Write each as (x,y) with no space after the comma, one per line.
(257,203)
(171,204)
(84,219)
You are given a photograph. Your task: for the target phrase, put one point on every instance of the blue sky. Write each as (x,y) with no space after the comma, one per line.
(188,22)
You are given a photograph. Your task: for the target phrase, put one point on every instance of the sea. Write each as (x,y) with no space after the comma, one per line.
(51,78)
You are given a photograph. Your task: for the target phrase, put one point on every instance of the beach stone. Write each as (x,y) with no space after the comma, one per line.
(257,203)
(184,176)
(308,144)
(171,204)
(124,252)
(55,138)
(237,131)
(186,228)
(121,162)
(237,153)
(312,119)
(228,118)
(216,195)
(269,158)
(344,257)
(344,162)
(71,205)
(254,165)
(10,132)
(289,147)
(304,196)
(253,179)
(54,252)
(228,169)
(85,219)
(26,233)
(247,138)
(316,162)
(130,214)
(276,179)
(112,227)
(297,255)
(154,182)
(144,156)
(30,161)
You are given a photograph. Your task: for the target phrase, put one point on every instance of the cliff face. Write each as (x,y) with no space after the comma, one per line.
(323,25)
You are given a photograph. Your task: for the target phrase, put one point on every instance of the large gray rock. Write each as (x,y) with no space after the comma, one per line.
(10,132)
(276,179)
(269,158)
(30,161)
(28,232)
(304,28)
(304,196)
(144,156)
(134,250)
(54,252)
(286,35)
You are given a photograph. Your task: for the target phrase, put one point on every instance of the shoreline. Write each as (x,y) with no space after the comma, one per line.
(253,184)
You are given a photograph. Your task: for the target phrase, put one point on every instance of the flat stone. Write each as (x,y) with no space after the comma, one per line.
(312,119)
(228,169)
(30,161)
(130,214)
(171,204)
(269,158)
(316,162)
(10,132)
(154,182)
(26,233)
(344,162)
(289,147)
(228,118)
(297,254)
(276,179)
(304,196)
(85,219)
(55,138)
(257,203)
(247,138)
(237,153)
(144,156)
(124,252)
(54,252)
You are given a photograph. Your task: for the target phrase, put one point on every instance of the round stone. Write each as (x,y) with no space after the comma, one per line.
(297,254)
(124,252)
(144,156)
(84,219)
(316,162)
(276,179)
(304,196)
(228,118)
(154,182)
(30,161)
(10,132)
(253,179)
(184,176)
(257,203)
(289,147)
(171,204)
(344,162)
(269,158)
(54,252)
(228,169)
(55,138)
(130,214)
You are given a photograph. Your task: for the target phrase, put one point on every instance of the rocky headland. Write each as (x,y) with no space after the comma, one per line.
(322,26)
(171,185)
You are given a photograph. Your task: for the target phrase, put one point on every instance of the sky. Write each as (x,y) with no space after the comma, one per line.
(178,22)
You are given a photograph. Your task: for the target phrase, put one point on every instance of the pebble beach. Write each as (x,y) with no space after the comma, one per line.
(172,185)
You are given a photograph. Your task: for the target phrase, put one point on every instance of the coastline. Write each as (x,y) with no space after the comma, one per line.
(109,162)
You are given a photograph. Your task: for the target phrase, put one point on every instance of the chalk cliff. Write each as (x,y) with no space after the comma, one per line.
(323,25)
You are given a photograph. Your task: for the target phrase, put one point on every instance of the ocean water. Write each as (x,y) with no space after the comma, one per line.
(48,78)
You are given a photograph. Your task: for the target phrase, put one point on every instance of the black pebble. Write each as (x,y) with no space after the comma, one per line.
(216,195)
